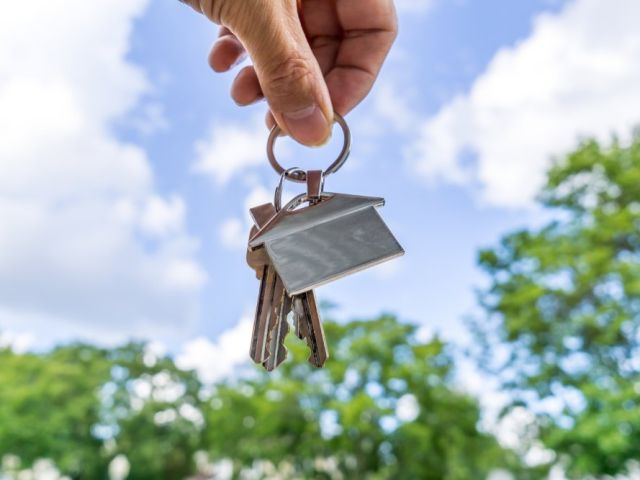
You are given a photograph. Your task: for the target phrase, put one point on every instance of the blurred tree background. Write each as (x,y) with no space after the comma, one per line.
(564,312)
(560,333)
(383,408)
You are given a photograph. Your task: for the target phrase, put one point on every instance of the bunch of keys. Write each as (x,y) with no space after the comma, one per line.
(316,238)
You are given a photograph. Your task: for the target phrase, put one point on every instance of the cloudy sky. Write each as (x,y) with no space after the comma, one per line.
(126,171)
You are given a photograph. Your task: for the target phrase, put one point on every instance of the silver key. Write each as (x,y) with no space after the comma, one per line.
(302,248)
(309,327)
(259,350)
(279,330)
(270,330)
(273,306)
(299,320)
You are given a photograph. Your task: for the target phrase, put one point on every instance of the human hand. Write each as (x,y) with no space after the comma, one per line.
(309,59)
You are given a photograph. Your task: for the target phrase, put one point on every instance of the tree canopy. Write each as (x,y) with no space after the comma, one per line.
(384,407)
(563,306)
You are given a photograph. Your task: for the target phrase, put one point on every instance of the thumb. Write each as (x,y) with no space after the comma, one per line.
(287,70)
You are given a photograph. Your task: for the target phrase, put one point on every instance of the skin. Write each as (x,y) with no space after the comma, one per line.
(310,58)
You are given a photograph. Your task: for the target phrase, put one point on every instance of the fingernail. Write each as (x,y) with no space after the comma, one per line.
(308,126)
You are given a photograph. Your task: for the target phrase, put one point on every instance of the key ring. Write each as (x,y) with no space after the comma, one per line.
(298,175)
(288,173)
(304,197)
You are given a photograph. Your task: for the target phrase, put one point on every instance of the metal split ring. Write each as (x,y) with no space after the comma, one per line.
(288,173)
(295,202)
(299,175)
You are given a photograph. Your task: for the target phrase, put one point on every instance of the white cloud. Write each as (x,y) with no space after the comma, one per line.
(87,246)
(230,150)
(216,360)
(232,234)
(17,342)
(234,231)
(576,75)
(393,109)
(161,217)
(150,119)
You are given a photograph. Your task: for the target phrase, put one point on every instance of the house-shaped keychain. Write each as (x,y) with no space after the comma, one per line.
(340,235)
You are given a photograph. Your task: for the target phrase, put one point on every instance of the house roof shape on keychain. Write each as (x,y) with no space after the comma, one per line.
(340,235)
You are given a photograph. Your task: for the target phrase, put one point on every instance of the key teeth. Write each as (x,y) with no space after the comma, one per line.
(310,325)
(259,350)
(316,358)
(280,328)
(254,353)
(301,331)
(267,349)
(271,366)
(312,357)
(257,360)
(281,354)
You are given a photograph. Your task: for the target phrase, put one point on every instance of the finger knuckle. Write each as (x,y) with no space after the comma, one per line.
(290,73)
(215,10)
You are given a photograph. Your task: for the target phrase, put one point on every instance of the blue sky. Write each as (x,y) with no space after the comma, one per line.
(126,170)
(440,226)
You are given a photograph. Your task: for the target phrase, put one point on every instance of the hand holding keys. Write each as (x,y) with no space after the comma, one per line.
(295,250)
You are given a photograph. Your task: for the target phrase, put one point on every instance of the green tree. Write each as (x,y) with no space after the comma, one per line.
(564,308)
(153,409)
(48,405)
(382,408)
(80,406)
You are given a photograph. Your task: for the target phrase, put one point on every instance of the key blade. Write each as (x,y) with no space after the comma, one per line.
(259,350)
(278,334)
(302,329)
(273,316)
(313,329)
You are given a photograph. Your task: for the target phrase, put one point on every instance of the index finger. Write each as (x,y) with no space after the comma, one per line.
(369,29)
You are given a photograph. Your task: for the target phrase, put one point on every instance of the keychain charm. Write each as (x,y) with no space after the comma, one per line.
(296,248)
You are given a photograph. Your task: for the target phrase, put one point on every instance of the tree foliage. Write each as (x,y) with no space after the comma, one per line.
(384,407)
(564,307)
(49,403)
(80,406)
